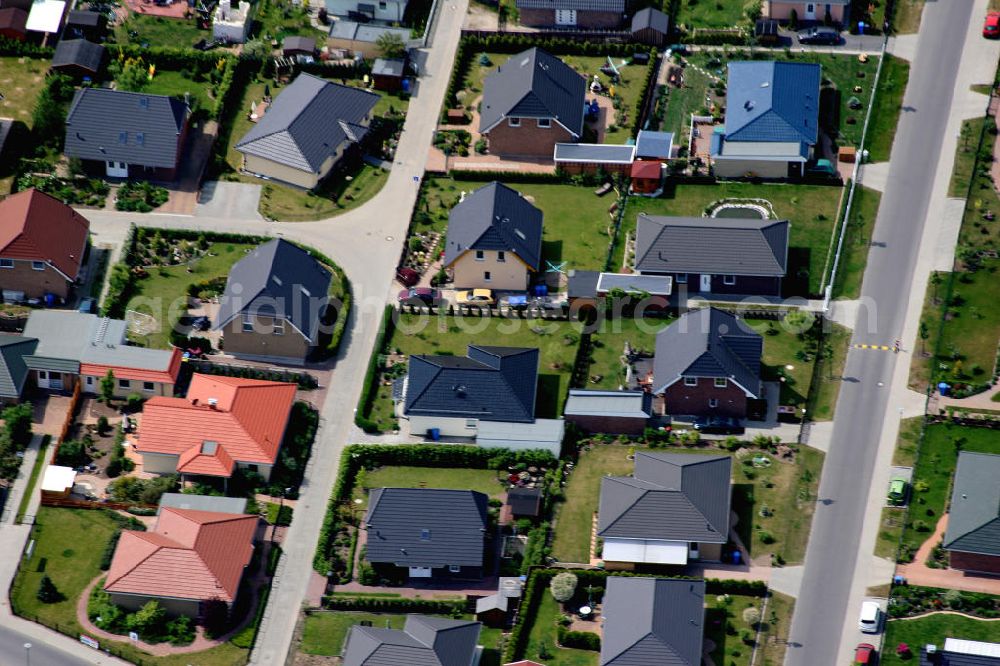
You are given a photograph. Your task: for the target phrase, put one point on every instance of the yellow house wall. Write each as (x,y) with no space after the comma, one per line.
(509,275)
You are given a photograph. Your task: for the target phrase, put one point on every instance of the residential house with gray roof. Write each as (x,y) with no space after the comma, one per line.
(652,622)
(494,240)
(585,14)
(972,538)
(772,120)
(707,363)
(121,134)
(275,304)
(674,508)
(530,103)
(13,370)
(714,255)
(427,532)
(306,131)
(423,641)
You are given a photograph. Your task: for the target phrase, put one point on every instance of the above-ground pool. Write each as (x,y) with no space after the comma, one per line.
(743,211)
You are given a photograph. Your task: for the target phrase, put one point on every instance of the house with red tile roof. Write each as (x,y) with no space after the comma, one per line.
(222,424)
(189,558)
(42,245)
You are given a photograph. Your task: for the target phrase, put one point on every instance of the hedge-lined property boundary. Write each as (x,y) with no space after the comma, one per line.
(369,456)
(454,607)
(368,388)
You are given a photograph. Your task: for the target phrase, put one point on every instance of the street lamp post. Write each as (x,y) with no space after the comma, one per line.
(27,654)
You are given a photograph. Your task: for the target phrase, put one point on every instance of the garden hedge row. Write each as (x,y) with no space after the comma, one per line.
(13,47)
(368,388)
(120,277)
(581,640)
(647,89)
(395,605)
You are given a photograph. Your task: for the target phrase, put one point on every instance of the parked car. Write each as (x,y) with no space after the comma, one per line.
(88,306)
(991,26)
(475,297)
(424,295)
(819,34)
(870,619)
(897,491)
(407,276)
(865,655)
(718,425)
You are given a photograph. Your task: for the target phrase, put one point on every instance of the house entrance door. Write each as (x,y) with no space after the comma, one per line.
(706,283)
(810,11)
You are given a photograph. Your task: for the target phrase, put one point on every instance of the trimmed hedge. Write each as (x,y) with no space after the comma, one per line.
(581,640)
(368,388)
(120,277)
(510,176)
(13,47)
(647,91)
(395,605)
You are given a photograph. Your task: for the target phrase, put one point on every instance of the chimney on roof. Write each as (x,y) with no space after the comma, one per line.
(194,401)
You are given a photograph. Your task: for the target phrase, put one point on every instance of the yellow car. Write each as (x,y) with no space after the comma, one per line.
(475,297)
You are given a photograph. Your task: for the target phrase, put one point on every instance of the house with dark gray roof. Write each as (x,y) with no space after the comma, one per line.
(586,14)
(423,641)
(275,303)
(494,240)
(674,508)
(714,254)
(972,538)
(650,26)
(306,131)
(121,134)
(13,369)
(530,103)
(427,532)
(707,363)
(772,120)
(652,622)
(78,58)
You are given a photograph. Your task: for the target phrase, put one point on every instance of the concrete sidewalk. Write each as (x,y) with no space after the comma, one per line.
(21,482)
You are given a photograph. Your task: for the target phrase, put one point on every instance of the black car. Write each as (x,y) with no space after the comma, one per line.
(718,425)
(819,35)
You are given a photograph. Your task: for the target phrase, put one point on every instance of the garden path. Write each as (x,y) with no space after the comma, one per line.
(918,573)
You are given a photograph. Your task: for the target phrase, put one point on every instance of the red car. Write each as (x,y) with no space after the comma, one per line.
(865,655)
(407,276)
(417,295)
(991,26)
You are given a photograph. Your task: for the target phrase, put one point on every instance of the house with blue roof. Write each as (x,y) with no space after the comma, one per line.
(772,120)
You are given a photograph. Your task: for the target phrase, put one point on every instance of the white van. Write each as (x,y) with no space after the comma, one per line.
(871,616)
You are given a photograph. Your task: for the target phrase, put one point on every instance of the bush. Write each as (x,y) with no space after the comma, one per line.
(580,640)
(395,605)
(751,615)
(563,586)
(102,425)
(72,454)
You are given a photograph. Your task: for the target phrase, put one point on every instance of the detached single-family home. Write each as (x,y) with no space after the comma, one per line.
(13,370)
(386,11)
(424,640)
(531,103)
(494,240)
(188,559)
(960,652)
(427,532)
(707,363)
(78,58)
(274,303)
(650,621)
(587,14)
(831,11)
(224,423)
(76,347)
(487,395)
(772,120)
(616,412)
(12,23)
(120,134)
(42,245)
(972,538)
(306,131)
(714,254)
(674,508)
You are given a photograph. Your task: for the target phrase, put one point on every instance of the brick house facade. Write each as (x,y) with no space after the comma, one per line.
(527,137)
(974,562)
(705,398)
(621,425)
(590,20)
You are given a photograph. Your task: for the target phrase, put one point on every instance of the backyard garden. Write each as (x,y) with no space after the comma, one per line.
(931,629)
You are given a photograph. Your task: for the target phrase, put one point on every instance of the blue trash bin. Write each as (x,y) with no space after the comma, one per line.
(737,557)
(943,388)
(435,434)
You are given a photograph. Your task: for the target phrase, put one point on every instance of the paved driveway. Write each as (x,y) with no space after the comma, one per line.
(235,201)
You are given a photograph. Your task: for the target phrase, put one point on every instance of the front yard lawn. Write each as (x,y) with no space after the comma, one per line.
(828,383)
(932,477)
(159,31)
(857,243)
(724,626)
(786,523)
(163,294)
(486,481)
(888,104)
(576,225)
(933,629)
(967,349)
(965,156)
(811,209)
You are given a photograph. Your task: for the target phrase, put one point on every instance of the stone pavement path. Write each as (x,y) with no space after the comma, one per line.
(918,573)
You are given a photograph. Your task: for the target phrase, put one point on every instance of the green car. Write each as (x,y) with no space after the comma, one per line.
(897,491)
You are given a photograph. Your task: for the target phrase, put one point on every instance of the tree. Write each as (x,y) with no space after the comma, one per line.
(17,424)
(751,616)
(108,387)
(72,454)
(953,598)
(134,75)
(390,45)
(257,48)
(563,586)
(47,592)
(148,620)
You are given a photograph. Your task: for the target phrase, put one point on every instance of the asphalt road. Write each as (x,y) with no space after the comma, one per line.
(12,652)
(821,608)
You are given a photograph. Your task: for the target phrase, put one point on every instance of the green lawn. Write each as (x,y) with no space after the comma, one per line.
(812,210)
(557,340)
(934,629)
(543,633)
(575,228)
(20,81)
(682,102)
(777,625)
(164,293)
(157,31)
(629,88)
(711,14)
(486,481)
(930,323)
(965,156)
(338,194)
(724,626)
(857,243)
(276,20)
(176,84)
(789,499)
(828,390)
(885,112)
(906,19)
(968,344)
(935,468)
